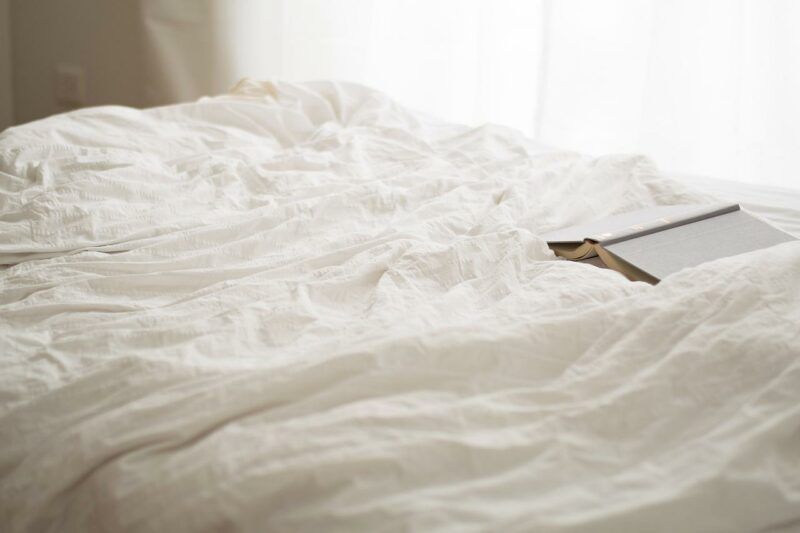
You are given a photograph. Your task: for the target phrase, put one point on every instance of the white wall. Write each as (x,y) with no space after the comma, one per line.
(194,48)
(102,36)
(6,83)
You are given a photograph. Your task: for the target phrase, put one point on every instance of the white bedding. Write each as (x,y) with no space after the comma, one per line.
(304,308)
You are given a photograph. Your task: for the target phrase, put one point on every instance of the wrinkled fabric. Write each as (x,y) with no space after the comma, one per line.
(301,307)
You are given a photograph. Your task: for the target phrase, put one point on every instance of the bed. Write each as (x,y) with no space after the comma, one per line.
(302,307)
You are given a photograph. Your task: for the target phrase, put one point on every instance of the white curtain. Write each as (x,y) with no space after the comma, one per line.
(705,87)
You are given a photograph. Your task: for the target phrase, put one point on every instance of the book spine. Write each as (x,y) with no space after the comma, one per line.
(661,224)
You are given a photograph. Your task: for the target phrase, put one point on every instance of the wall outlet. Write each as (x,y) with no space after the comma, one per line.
(70,85)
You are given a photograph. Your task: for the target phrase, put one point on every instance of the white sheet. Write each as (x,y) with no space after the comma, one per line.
(303,308)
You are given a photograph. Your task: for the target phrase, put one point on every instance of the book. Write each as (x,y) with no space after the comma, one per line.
(652,243)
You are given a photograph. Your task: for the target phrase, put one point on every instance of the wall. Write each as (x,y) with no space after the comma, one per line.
(194,48)
(6,95)
(102,36)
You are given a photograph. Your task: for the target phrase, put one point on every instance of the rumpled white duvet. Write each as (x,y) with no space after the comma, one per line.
(301,307)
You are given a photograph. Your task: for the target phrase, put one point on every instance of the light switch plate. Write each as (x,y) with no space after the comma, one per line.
(70,85)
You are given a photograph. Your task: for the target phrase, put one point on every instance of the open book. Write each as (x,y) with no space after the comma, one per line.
(651,243)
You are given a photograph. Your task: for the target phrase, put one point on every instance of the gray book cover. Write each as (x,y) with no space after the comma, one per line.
(633,223)
(660,240)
